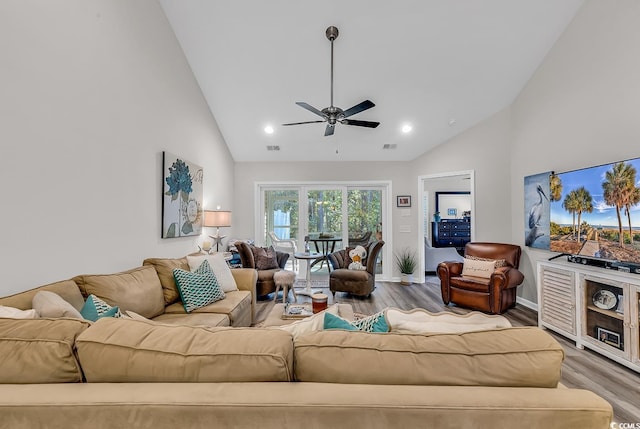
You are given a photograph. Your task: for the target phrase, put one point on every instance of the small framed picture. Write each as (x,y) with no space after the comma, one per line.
(403,201)
(452,212)
(609,337)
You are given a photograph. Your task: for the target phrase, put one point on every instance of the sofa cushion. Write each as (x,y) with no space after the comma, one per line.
(199,288)
(374,323)
(39,350)
(126,350)
(478,268)
(206,320)
(517,357)
(137,290)
(16,313)
(236,305)
(95,308)
(265,258)
(219,267)
(50,304)
(67,289)
(164,267)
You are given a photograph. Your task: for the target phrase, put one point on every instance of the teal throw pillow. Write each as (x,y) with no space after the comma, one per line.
(374,323)
(94,308)
(198,288)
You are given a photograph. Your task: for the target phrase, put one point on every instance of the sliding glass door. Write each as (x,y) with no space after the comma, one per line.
(335,217)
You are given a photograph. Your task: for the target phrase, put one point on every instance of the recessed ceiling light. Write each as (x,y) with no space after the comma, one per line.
(269,129)
(452,122)
(406,128)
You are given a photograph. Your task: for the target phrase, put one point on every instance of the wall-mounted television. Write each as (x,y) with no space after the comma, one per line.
(595,212)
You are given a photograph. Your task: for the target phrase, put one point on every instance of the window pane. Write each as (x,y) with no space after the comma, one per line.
(325,212)
(281,213)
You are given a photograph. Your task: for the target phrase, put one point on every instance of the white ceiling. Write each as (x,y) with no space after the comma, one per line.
(422,62)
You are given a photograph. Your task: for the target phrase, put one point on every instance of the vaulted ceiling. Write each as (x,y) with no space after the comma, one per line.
(440,66)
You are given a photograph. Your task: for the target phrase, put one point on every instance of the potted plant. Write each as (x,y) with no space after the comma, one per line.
(406,262)
(436,216)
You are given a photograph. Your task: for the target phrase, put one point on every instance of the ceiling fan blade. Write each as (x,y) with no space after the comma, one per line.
(310,108)
(300,123)
(367,124)
(329,130)
(366,104)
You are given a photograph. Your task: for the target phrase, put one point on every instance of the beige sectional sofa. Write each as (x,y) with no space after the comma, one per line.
(69,373)
(150,291)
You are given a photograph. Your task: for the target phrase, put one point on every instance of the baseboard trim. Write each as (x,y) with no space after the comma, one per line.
(525,302)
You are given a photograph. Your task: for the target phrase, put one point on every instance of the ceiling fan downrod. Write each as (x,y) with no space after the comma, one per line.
(332,34)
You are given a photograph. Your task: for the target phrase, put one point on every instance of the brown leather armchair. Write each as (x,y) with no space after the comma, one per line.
(355,282)
(494,295)
(265,284)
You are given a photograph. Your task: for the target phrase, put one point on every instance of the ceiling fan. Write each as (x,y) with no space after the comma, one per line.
(332,114)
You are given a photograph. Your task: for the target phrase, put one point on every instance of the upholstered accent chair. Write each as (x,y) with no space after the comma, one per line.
(265,284)
(355,282)
(495,294)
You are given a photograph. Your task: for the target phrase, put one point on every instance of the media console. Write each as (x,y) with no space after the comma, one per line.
(595,307)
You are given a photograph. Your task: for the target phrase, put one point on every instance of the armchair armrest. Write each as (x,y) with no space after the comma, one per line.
(449,268)
(282,259)
(509,277)
(246,279)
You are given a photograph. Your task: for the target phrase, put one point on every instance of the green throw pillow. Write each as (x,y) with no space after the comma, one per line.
(198,288)
(374,323)
(94,308)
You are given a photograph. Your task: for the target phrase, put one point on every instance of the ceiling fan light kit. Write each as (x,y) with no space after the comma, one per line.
(332,114)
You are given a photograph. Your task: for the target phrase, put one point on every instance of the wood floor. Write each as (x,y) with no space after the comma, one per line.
(582,369)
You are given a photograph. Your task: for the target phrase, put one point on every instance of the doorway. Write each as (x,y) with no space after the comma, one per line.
(430,187)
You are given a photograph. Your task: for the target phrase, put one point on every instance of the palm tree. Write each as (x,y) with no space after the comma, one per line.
(632,195)
(617,185)
(584,203)
(555,188)
(570,205)
(632,199)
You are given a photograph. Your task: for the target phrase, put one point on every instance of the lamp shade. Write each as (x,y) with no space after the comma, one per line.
(217,218)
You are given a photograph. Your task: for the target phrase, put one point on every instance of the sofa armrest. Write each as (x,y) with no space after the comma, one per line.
(246,279)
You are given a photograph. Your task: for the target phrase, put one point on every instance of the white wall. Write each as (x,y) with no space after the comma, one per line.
(91,93)
(581,107)
(484,148)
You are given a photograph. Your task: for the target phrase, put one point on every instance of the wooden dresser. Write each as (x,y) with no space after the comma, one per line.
(451,233)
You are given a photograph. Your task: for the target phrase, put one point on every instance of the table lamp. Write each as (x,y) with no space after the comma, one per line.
(217,219)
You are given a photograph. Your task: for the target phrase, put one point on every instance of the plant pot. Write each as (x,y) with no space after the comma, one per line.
(406,279)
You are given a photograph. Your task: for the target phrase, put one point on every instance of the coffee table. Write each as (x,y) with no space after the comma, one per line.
(275,315)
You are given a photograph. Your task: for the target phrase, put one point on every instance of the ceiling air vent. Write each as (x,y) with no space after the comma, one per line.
(390,146)
(273,147)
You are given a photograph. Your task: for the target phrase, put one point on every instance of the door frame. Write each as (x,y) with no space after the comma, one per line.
(421,184)
(303,186)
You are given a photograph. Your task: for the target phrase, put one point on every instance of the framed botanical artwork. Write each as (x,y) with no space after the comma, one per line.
(181,197)
(403,201)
